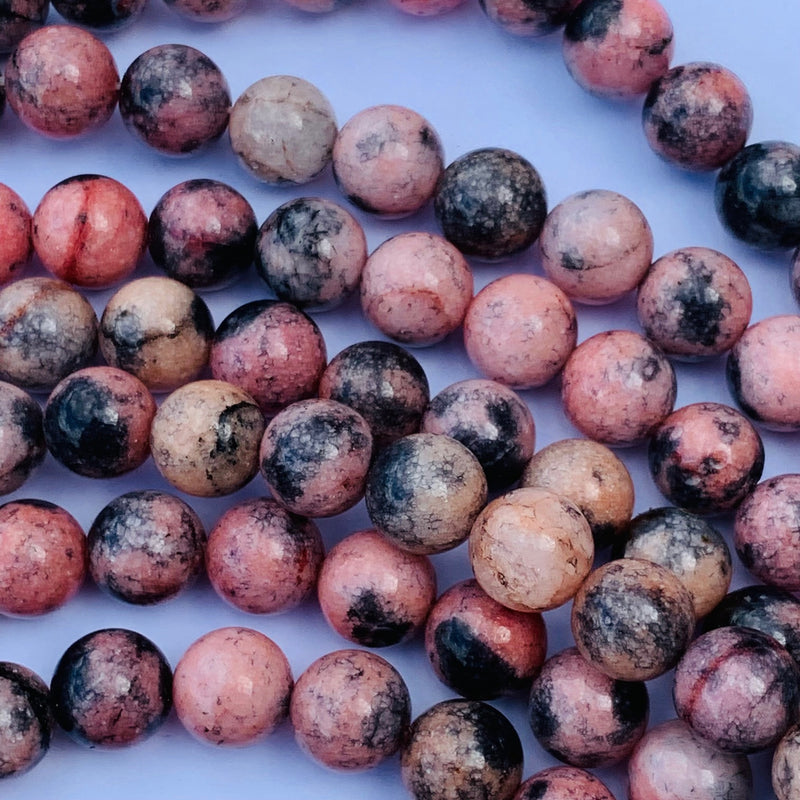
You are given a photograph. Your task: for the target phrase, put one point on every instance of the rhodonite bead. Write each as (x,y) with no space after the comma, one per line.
(596,246)
(47,331)
(462,750)
(762,372)
(350,710)
(387,160)
(617,48)
(100,15)
(528,17)
(592,477)
(490,203)
(632,619)
(111,688)
(757,195)
(582,716)
(563,783)
(207,10)
(786,766)
(694,303)
(617,388)
(282,129)
(18,18)
(372,592)
(16,246)
(26,722)
(22,446)
(480,648)
(62,82)
(426,8)
(697,116)
(706,457)
(671,761)
(738,689)
(232,687)
(175,99)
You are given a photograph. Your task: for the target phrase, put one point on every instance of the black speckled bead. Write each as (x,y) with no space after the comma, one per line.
(18,18)
(491,203)
(528,17)
(22,446)
(758,195)
(100,15)
(26,722)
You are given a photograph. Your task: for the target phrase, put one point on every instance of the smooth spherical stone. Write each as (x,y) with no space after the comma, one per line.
(387,160)
(596,246)
(762,372)
(262,559)
(384,383)
(462,750)
(350,710)
(617,48)
(632,619)
(786,766)
(424,491)
(282,129)
(480,648)
(757,195)
(519,330)
(202,233)
(706,457)
(617,388)
(207,10)
(686,545)
(175,99)
(528,17)
(416,288)
(491,420)
(768,609)
(16,245)
(42,557)
(767,531)
(18,18)
(100,15)
(158,330)
(47,331)
(697,116)
(314,457)
(90,230)
(694,303)
(738,689)
(426,8)
(232,687)
(145,546)
(272,350)
(22,445)
(563,783)
(205,438)
(671,762)
(373,593)
(111,688)
(490,203)
(26,722)
(592,477)
(531,549)
(97,422)
(62,82)
(310,252)
(582,716)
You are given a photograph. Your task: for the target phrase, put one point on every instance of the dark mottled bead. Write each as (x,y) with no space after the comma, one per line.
(462,750)
(582,716)
(97,422)
(22,446)
(211,11)
(528,17)
(563,783)
(175,99)
(490,203)
(18,18)
(786,766)
(737,688)
(632,619)
(111,688)
(26,722)
(491,420)
(757,195)
(100,15)
(145,547)
(697,116)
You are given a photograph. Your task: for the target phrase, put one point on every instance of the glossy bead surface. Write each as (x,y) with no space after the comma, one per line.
(26,722)
(563,783)
(528,17)
(16,246)
(18,18)
(22,445)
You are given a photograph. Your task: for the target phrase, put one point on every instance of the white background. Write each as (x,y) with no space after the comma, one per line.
(479,87)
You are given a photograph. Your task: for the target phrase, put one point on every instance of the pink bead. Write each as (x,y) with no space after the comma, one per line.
(22,446)
(563,783)
(16,246)
(90,230)
(232,687)
(207,10)
(426,8)
(529,17)
(786,766)
(387,160)
(416,288)
(61,81)
(519,330)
